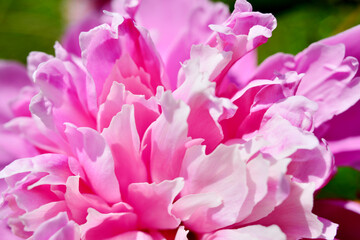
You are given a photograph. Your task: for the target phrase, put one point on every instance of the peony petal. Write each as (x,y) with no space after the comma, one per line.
(176,25)
(348,38)
(13,77)
(95,156)
(241,33)
(32,220)
(254,232)
(294,215)
(153,203)
(13,146)
(298,110)
(107,225)
(6,232)
(59,95)
(166,138)
(105,44)
(34,59)
(118,97)
(181,234)
(335,79)
(124,143)
(78,203)
(132,235)
(57,228)
(228,168)
(199,93)
(285,139)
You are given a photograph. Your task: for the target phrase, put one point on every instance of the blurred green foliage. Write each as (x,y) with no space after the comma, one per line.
(27,25)
(344,185)
(304,24)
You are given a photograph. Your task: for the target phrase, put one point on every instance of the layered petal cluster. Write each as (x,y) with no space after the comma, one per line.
(124,142)
(331,79)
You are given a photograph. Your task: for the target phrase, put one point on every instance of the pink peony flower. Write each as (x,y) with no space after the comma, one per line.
(124,142)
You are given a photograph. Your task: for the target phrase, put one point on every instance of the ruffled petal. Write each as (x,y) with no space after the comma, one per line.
(94,155)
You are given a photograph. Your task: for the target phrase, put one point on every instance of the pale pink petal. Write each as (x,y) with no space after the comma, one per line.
(165,139)
(274,66)
(153,203)
(35,132)
(278,188)
(78,203)
(32,220)
(54,165)
(95,156)
(124,143)
(57,228)
(135,79)
(132,235)
(10,144)
(285,139)
(298,110)
(314,165)
(69,232)
(255,232)
(311,162)
(294,215)
(126,8)
(336,88)
(34,59)
(107,225)
(20,105)
(348,38)
(181,234)
(241,33)
(81,85)
(6,232)
(59,96)
(228,172)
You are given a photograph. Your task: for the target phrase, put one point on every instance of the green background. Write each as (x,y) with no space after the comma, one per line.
(27,25)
